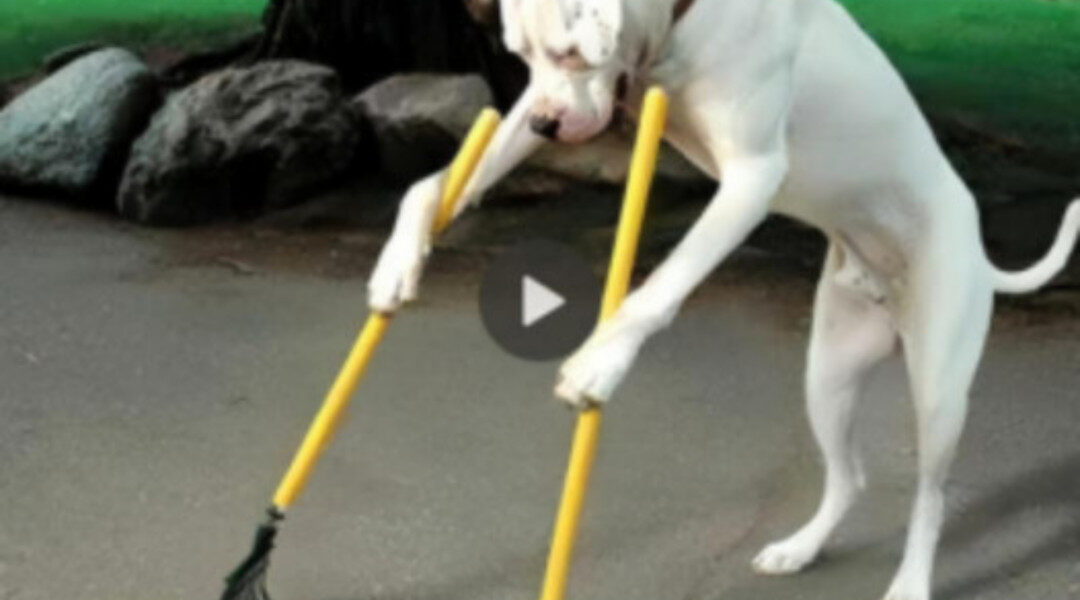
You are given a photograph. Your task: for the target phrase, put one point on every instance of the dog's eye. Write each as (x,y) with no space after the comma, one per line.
(526,50)
(570,59)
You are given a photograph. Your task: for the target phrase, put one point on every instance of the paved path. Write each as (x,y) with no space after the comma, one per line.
(153,385)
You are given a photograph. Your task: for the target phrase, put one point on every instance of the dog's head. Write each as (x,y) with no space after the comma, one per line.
(575,68)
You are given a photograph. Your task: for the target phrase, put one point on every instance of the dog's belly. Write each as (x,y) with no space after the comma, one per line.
(868,198)
(879,236)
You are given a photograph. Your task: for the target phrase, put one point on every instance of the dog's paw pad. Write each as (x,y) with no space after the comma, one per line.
(782,558)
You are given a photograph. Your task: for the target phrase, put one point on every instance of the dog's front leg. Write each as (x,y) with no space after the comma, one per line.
(397,273)
(594,371)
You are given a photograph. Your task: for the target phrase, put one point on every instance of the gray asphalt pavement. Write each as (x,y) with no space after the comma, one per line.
(153,385)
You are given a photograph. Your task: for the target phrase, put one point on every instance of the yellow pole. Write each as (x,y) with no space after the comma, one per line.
(337,400)
(586,434)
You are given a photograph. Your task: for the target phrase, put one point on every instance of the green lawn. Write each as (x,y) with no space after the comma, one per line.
(30,29)
(1013,65)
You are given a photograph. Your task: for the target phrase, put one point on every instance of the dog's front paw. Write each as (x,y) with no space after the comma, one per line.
(397,274)
(903,595)
(785,558)
(396,278)
(593,373)
(904,588)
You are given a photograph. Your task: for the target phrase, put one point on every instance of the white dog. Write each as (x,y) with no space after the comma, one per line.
(797,111)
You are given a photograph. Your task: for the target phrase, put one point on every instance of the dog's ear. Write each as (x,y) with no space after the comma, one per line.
(513,34)
(484,12)
(596,29)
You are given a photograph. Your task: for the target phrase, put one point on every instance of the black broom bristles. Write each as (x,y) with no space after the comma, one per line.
(248,581)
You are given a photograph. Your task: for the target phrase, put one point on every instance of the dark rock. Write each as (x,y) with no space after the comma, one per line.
(238,142)
(62,57)
(418,120)
(606,159)
(185,69)
(71,132)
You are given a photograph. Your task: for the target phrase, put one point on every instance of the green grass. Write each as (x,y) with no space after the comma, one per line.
(1011,65)
(30,29)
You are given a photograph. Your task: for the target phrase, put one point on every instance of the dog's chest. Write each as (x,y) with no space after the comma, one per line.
(679,130)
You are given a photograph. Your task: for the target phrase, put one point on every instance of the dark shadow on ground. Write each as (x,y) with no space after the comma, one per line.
(1056,485)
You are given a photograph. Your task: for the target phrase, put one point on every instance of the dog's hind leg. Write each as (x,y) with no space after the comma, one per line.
(943,340)
(851,334)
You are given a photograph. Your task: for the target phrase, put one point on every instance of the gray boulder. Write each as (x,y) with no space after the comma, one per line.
(418,119)
(71,132)
(606,159)
(238,142)
(62,57)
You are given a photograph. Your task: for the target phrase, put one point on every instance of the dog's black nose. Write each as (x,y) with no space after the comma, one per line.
(544,126)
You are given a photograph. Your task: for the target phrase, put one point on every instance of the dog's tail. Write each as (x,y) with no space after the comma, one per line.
(1029,280)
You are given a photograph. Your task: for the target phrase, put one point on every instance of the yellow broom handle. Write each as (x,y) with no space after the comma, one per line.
(461,170)
(333,408)
(583,450)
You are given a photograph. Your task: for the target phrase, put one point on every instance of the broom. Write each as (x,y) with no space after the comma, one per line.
(248,581)
(587,431)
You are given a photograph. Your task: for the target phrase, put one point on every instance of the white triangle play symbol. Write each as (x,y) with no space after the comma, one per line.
(537,301)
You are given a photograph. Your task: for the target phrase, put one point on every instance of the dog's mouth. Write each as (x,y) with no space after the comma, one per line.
(622,88)
(620,114)
(582,124)
(620,118)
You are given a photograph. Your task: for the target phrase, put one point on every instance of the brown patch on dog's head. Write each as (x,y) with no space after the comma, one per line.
(484,12)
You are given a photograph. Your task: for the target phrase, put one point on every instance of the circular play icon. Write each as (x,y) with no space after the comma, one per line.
(539,300)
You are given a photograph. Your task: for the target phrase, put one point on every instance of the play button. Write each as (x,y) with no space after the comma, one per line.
(539,300)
